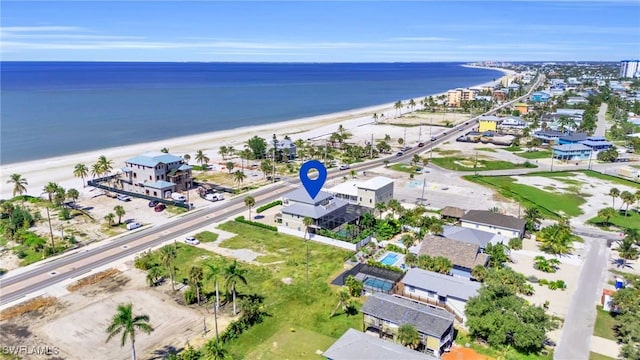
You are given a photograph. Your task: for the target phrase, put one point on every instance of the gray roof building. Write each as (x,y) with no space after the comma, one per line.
(462,254)
(472,236)
(443,285)
(426,319)
(356,345)
(485,217)
(299,203)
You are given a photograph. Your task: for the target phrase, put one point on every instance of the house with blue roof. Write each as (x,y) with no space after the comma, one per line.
(571,152)
(597,143)
(156,174)
(540,97)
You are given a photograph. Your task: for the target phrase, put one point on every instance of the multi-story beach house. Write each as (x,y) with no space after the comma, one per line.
(448,292)
(385,314)
(540,97)
(455,97)
(488,123)
(156,174)
(285,149)
(489,221)
(367,193)
(571,152)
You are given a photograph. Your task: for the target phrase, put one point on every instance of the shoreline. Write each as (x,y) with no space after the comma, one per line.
(59,169)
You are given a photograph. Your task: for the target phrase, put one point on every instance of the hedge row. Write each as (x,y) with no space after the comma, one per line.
(268,206)
(241,219)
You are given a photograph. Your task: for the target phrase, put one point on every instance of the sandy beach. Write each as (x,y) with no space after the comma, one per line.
(359,122)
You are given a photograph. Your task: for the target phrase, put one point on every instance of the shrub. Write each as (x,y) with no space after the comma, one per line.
(396,248)
(21,254)
(189,296)
(144,261)
(558,284)
(241,219)
(65,214)
(3,271)
(515,243)
(372,262)
(532,279)
(543,282)
(268,206)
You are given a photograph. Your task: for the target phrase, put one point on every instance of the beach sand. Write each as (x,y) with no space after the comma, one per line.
(359,122)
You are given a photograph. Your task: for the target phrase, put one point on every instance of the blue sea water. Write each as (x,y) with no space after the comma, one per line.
(57,108)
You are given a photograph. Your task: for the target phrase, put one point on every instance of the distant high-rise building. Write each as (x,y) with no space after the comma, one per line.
(630,69)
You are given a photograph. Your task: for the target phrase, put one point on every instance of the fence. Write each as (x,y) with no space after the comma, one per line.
(326,240)
(97,183)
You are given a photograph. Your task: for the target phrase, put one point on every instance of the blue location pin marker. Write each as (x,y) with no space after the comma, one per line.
(313,186)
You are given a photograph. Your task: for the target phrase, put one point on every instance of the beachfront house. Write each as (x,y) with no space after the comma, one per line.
(354,344)
(540,97)
(445,291)
(597,143)
(367,193)
(384,314)
(464,255)
(327,211)
(156,174)
(457,96)
(549,136)
(489,221)
(572,138)
(285,149)
(473,236)
(571,152)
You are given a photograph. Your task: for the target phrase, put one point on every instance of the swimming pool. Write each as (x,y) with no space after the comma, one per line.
(378,284)
(389,259)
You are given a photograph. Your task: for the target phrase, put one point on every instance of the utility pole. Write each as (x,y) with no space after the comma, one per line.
(420,132)
(404,137)
(371,146)
(430,138)
(552,159)
(53,247)
(590,156)
(424,183)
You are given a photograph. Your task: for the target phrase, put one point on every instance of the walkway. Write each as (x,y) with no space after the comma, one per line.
(605,347)
(601,126)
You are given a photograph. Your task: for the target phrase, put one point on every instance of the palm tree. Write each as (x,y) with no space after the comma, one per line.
(415,160)
(153,274)
(607,213)
(412,104)
(96,171)
(627,199)
(230,165)
(167,258)
(375,118)
(343,299)
(119,212)
(19,184)
(50,189)
(73,194)
(126,323)
(195,280)
(614,193)
(633,235)
(234,274)
(81,171)
(626,249)
(398,106)
(212,273)
(186,158)
(216,350)
(532,217)
(109,218)
(105,165)
(223,151)
(201,158)
(164,150)
(408,336)
(555,239)
(250,202)
(381,207)
(307,222)
(637,195)
(239,177)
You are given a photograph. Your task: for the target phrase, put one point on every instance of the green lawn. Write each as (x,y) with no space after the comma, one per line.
(631,221)
(296,305)
(410,169)
(462,338)
(613,179)
(549,203)
(291,342)
(466,164)
(604,324)
(206,236)
(596,356)
(545,154)
(488,149)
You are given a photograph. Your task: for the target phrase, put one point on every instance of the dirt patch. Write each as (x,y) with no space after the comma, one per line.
(463,353)
(93,279)
(37,304)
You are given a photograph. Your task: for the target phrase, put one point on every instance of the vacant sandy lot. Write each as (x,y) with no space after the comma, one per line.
(77,326)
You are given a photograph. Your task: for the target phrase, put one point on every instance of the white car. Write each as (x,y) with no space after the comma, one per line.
(133,225)
(191,240)
(123,197)
(214,197)
(344,167)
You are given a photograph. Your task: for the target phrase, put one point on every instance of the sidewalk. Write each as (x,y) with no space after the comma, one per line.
(605,347)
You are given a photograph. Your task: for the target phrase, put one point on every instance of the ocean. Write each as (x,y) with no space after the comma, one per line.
(57,108)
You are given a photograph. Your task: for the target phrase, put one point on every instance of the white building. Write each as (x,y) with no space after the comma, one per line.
(509,226)
(630,68)
(368,193)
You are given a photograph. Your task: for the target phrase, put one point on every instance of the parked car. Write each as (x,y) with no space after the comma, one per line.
(214,197)
(178,197)
(133,225)
(345,167)
(191,240)
(123,197)
(159,207)
(153,203)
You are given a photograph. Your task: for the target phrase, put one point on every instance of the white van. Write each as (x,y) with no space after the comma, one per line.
(178,197)
(133,225)
(214,197)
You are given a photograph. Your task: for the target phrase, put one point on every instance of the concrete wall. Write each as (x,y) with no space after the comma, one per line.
(325,240)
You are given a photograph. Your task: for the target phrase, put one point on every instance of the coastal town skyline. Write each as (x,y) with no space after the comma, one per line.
(320,31)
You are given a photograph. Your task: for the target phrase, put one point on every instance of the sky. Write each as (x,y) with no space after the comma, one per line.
(326,31)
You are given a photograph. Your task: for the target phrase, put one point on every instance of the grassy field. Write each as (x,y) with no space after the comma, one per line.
(612,179)
(296,305)
(487,149)
(551,204)
(462,338)
(292,343)
(467,164)
(535,154)
(632,221)
(596,356)
(604,324)
(206,236)
(410,169)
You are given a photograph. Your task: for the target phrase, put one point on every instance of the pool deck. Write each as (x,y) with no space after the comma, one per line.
(399,258)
